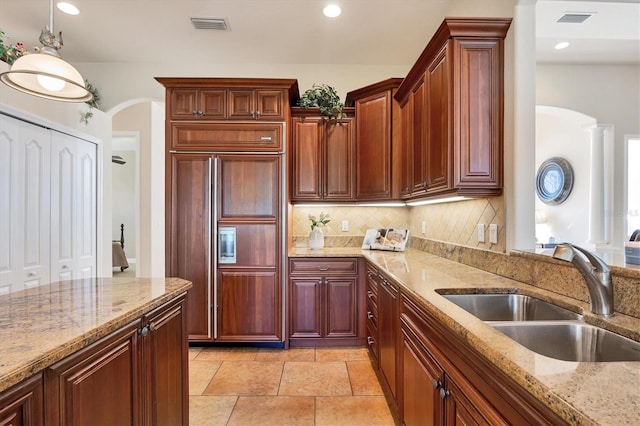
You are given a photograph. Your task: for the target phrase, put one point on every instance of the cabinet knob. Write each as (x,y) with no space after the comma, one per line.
(31,274)
(370,294)
(65,266)
(152,326)
(369,314)
(436,384)
(144,331)
(369,340)
(257,114)
(444,393)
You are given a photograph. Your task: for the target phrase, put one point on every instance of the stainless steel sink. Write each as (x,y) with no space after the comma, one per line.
(510,307)
(571,341)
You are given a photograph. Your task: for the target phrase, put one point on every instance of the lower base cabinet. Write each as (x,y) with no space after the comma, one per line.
(137,375)
(23,404)
(439,379)
(326,299)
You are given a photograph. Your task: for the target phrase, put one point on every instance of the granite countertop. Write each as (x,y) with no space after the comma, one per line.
(42,325)
(605,393)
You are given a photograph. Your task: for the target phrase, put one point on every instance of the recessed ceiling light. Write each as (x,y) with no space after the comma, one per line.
(562,45)
(68,8)
(332,10)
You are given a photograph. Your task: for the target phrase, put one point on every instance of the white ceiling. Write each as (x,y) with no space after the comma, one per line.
(391,32)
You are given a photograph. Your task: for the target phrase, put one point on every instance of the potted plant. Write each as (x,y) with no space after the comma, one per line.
(325,98)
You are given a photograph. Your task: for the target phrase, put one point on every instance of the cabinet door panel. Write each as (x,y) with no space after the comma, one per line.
(388,331)
(190,233)
(439,123)
(101,382)
(249,186)
(165,365)
(421,402)
(341,307)
(212,103)
(373,147)
(339,146)
(416,101)
(270,103)
(241,104)
(249,304)
(257,245)
(23,404)
(479,73)
(183,104)
(307,158)
(306,309)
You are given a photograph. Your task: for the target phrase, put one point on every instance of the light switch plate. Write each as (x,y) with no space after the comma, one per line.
(481,232)
(345,226)
(493,233)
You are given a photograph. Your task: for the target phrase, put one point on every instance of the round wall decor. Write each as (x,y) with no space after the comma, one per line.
(554,181)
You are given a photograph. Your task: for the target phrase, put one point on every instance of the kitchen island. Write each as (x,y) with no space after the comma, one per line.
(91,345)
(575,392)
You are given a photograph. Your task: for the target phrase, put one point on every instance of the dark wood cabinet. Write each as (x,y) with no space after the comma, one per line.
(191,104)
(225,180)
(459,132)
(23,404)
(135,375)
(256,104)
(388,299)
(378,143)
(165,365)
(325,300)
(323,157)
(229,98)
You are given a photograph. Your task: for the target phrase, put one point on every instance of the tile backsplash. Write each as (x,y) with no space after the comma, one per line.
(449,222)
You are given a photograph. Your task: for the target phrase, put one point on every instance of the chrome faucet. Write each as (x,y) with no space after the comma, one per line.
(597,276)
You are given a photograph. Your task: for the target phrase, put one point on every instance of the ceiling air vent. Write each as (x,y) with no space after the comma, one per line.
(210,24)
(574,18)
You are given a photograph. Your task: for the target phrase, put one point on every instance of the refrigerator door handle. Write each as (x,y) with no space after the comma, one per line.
(213,260)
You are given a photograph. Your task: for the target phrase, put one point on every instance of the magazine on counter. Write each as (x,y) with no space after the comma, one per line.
(386,239)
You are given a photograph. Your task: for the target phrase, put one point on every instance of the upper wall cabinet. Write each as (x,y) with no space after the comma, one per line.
(377,140)
(322,156)
(229,98)
(227,114)
(453,100)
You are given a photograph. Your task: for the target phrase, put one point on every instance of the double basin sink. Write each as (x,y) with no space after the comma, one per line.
(546,328)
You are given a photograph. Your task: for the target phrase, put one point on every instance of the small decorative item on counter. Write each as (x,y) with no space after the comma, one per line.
(386,239)
(316,237)
(632,249)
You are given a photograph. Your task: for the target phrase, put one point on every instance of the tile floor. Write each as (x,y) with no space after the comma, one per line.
(301,386)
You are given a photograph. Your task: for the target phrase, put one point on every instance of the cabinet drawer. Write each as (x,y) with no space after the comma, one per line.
(324,266)
(226,136)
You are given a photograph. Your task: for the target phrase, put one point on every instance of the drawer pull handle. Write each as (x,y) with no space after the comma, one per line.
(369,315)
(436,384)
(265,138)
(370,294)
(323,268)
(369,340)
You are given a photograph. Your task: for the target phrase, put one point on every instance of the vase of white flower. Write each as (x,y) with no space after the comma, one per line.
(316,237)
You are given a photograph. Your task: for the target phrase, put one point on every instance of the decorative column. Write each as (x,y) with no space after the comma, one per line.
(598,187)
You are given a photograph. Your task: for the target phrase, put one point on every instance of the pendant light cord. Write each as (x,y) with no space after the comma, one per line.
(51,16)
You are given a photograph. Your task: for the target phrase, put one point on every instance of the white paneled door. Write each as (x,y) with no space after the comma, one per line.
(24,204)
(73,208)
(48,206)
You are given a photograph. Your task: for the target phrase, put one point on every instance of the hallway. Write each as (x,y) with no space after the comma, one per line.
(302,386)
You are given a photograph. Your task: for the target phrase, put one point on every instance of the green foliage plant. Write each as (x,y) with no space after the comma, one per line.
(325,98)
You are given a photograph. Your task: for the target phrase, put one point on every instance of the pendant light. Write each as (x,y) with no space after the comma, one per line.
(45,74)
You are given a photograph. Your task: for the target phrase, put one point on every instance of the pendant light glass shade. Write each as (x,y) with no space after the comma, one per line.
(46,74)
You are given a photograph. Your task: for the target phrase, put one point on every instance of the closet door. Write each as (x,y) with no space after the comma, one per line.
(73,207)
(24,204)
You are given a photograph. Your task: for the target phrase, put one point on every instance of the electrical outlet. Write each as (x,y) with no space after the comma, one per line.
(345,226)
(424,227)
(493,233)
(481,232)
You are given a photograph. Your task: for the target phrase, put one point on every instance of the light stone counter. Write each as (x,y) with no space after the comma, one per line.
(42,325)
(581,393)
